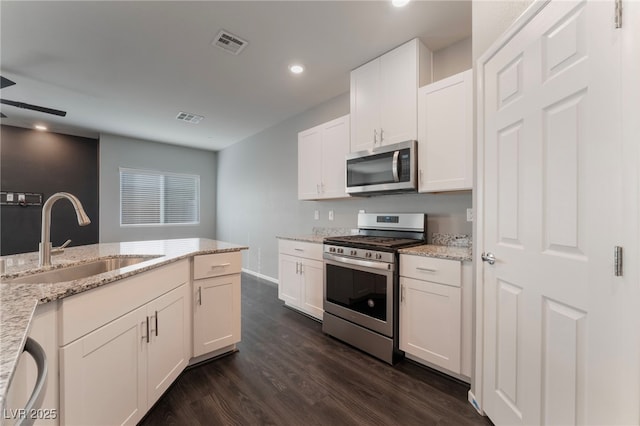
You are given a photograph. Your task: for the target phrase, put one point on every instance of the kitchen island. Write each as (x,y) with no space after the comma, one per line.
(18,301)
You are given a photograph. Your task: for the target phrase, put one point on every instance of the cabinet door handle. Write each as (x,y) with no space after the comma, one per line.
(301,270)
(298,249)
(220,265)
(381,137)
(148,334)
(375,136)
(421,176)
(419,268)
(317,188)
(156,323)
(200,296)
(402,293)
(297,268)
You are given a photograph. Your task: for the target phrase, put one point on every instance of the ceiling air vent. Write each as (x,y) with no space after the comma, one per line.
(189,118)
(229,42)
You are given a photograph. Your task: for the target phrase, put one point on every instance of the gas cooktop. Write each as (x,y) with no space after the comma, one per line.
(372,241)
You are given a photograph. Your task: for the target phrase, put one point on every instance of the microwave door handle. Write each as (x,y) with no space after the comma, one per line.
(395,166)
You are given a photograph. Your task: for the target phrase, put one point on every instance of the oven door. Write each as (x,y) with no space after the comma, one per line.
(360,291)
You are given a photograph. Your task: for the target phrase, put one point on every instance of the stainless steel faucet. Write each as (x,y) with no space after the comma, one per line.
(45,239)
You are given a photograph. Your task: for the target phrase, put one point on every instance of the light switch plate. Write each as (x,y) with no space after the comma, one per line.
(330,214)
(316,215)
(470,215)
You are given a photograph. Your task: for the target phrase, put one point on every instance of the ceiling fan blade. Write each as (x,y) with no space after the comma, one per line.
(34,107)
(5,82)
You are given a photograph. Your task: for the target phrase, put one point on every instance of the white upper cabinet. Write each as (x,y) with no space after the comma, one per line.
(445,138)
(384,96)
(321,160)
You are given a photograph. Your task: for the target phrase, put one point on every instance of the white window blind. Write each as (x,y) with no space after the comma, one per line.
(154,198)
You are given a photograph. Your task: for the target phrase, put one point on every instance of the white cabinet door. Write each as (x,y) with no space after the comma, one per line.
(335,147)
(169,348)
(384,96)
(445,123)
(103,374)
(365,97)
(289,289)
(309,163)
(216,313)
(312,276)
(398,97)
(430,322)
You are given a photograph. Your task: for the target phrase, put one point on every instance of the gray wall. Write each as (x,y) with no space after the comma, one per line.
(120,151)
(452,59)
(257,193)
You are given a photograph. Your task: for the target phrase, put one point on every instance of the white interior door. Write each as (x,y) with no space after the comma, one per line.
(551,146)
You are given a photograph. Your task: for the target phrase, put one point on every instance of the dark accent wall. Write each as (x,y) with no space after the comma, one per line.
(43,162)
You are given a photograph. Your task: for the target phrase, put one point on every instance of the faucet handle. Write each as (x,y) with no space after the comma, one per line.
(58,250)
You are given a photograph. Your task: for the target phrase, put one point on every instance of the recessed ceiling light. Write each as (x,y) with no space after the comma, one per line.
(399,3)
(41,127)
(296,69)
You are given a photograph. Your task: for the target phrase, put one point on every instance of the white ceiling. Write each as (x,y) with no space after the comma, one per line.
(128,67)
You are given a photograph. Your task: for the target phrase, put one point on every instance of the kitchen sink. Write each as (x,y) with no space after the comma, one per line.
(83,270)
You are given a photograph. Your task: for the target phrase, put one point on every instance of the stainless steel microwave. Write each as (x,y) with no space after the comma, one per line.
(383,170)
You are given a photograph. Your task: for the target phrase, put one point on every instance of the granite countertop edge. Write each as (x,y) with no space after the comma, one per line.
(19,301)
(316,239)
(463,254)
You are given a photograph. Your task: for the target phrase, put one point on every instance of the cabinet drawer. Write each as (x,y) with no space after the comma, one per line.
(301,249)
(441,271)
(215,265)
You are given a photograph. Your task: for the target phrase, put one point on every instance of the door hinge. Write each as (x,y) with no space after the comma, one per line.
(617,261)
(618,17)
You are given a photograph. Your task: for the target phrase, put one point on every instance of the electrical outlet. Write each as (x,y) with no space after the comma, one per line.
(316,215)
(470,215)
(330,214)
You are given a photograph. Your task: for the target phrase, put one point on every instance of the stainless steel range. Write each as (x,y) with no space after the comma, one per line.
(361,281)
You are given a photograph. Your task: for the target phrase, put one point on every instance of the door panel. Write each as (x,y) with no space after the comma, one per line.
(169,340)
(551,139)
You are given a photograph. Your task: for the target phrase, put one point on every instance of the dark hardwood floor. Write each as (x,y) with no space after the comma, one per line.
(287,372)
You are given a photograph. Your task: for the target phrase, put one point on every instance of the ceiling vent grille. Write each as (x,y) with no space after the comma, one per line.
(189,118)
(229,42)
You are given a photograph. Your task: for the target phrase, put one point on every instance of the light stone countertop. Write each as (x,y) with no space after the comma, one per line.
(317,239)
(463,254)
(18,301)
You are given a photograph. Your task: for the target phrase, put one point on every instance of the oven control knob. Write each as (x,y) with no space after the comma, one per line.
(340,251)
(367,254)
(353,252)
(332,249)
(378,256)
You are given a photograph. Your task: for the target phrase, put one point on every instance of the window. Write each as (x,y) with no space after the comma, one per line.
(155,198)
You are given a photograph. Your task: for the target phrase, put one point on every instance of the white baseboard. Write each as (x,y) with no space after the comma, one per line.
(474,402)
(261,276)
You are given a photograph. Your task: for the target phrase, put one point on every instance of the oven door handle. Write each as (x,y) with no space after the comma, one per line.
(358,262)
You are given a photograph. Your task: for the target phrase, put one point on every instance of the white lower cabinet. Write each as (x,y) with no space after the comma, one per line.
(430,322)
(115,373)
(301,274)
(216,314)
(434,327)
(217,302)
